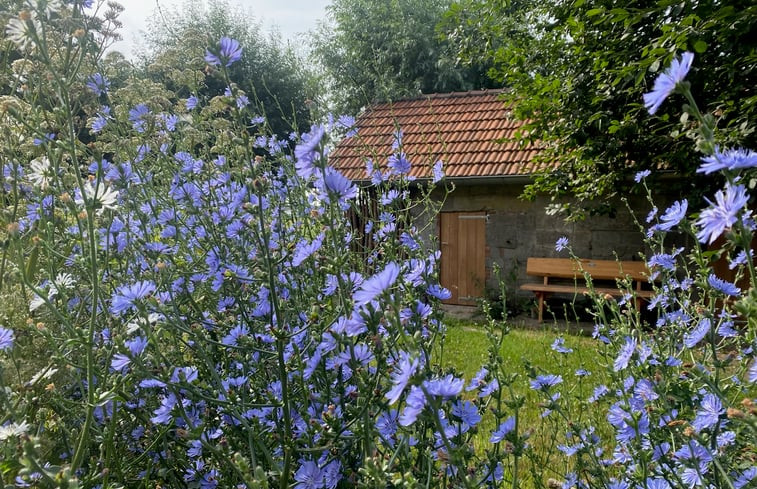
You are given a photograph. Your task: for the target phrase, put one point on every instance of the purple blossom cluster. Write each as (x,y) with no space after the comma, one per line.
(233,313)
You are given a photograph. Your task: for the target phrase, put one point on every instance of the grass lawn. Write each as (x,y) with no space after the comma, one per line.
(465,349)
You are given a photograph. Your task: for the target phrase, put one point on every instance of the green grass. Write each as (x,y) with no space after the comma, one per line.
(466,345)
(466,349)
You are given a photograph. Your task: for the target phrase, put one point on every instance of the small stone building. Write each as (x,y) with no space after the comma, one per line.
(483,221)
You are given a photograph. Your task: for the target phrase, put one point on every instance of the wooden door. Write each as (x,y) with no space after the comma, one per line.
(463,243)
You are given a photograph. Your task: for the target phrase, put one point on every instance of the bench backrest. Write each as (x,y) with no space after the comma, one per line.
(598,269)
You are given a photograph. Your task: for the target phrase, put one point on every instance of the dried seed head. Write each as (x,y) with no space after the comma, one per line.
(734,413)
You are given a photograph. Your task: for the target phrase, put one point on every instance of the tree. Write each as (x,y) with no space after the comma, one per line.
(577,72)
(271,74)
(387,50)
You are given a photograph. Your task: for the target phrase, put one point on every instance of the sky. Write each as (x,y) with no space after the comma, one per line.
(291,16)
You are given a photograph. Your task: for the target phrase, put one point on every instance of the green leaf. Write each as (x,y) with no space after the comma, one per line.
(31,264)
(700,46)
(594,12)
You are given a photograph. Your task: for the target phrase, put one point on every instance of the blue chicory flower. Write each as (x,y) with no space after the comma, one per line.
(437,171)
(657,483)
(698,333)
(641,175)
(723,286)
(722,214)
(489,388)
(136,345)
(414,404)
(399,164)
(99,84)
(505,427)
(99,123)
(347,122)
(543,382)
(599,392)
(697,455)
(377,284)
(726,330)
(448,386)
(125,297)
(306,151)
(191,102)
(305,249)
(332,474)
(667,82)
(745,478)
(618,484)
(137,117)
(6,338)
(708,415)
(559,346)
(672,216)
(308,476)
(467,412)
(625,354)
(561,243)
(739,259)
(730,159)
(403,371)
(120,362)
(334,184)
(478,380)
(228,53)
(387,424)
(439,292)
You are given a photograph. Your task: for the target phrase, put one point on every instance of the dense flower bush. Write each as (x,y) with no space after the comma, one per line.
(681,396)
(202,318)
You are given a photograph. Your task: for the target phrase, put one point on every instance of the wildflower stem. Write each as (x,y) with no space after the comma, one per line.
(66,105)
(280,335)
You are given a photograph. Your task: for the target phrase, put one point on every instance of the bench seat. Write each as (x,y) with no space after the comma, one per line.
(603,271)
(571,289)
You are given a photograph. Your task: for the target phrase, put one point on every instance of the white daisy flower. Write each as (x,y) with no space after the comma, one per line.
(13,429)
(104,196)
(141,322)
(38,301)
(20,31)
(64,280)
(43,374)
(40,172)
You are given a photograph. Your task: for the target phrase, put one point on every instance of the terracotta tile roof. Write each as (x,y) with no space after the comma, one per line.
(459,128)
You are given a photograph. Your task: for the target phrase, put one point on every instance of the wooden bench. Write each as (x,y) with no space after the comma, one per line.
(556,273)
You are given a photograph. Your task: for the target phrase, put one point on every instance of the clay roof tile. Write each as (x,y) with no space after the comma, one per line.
(460,128)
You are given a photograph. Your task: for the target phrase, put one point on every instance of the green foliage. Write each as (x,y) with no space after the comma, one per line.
(577,71)
(272,75)
(388,50)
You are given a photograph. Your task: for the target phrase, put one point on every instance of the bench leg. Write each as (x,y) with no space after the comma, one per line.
(540,297)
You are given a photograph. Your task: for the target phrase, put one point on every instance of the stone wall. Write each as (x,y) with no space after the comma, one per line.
(517,229)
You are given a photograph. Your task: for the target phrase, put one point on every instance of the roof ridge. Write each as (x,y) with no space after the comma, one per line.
(443,95)
(483,91)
